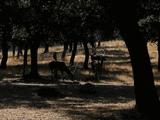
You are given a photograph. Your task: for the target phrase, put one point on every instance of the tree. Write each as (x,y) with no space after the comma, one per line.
(6,11)
(150,27)
(147,100)
(34,21)
(4,45)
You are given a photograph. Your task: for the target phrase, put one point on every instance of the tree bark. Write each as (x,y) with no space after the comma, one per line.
(147,100)
(6,36)
(4,54)
(25,60)
(19,51)
(99,43)
(145,90)
(65,48)
(86,50)
(70,46)
(73,53)
(34,65)
(13,50)
(46,49)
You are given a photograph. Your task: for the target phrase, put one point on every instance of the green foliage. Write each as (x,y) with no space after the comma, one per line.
(48,19)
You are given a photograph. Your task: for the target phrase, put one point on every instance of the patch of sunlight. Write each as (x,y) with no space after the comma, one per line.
(86,72)
(157,83)
(110,106)
(32,114)
(114,83)
(125,79)
(9,79)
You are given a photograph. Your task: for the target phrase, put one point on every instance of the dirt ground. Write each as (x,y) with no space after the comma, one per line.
(111,97)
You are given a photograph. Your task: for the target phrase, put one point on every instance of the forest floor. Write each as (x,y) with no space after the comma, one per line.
(111,97)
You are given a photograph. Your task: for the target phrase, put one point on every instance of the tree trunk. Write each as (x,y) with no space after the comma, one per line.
(85,65)
(70,46)
(146,96)
(92,43)
(158,54)
(147,100)
(4,54)
(19,52)
(34,65)
(25,60)
(145,90)
(13,50)
(6,36)
(65,48)
(46,49)
(99,43)
(73,53)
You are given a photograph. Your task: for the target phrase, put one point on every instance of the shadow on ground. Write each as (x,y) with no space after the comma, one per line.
(107,102)
(101,102)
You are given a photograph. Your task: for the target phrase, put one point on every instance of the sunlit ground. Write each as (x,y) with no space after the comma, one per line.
(113,99)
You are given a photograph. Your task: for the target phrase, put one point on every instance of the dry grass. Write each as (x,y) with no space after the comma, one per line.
(113,100)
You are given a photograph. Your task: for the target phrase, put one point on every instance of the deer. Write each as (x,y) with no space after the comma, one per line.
(55,66)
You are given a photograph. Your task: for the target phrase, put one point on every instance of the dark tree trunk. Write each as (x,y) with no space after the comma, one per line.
(158,55)
(73,53)
(19,52)
(46,49)
(92,43)
(6,36)
(65,48)
(99,43)
(13,50)
(25,60)
(55,56)
(86,50)
(34,65)
(145,90)
(147,100)
(70,46)
(4,54)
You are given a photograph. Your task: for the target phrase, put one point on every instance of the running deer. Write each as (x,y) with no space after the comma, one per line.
(56,66)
